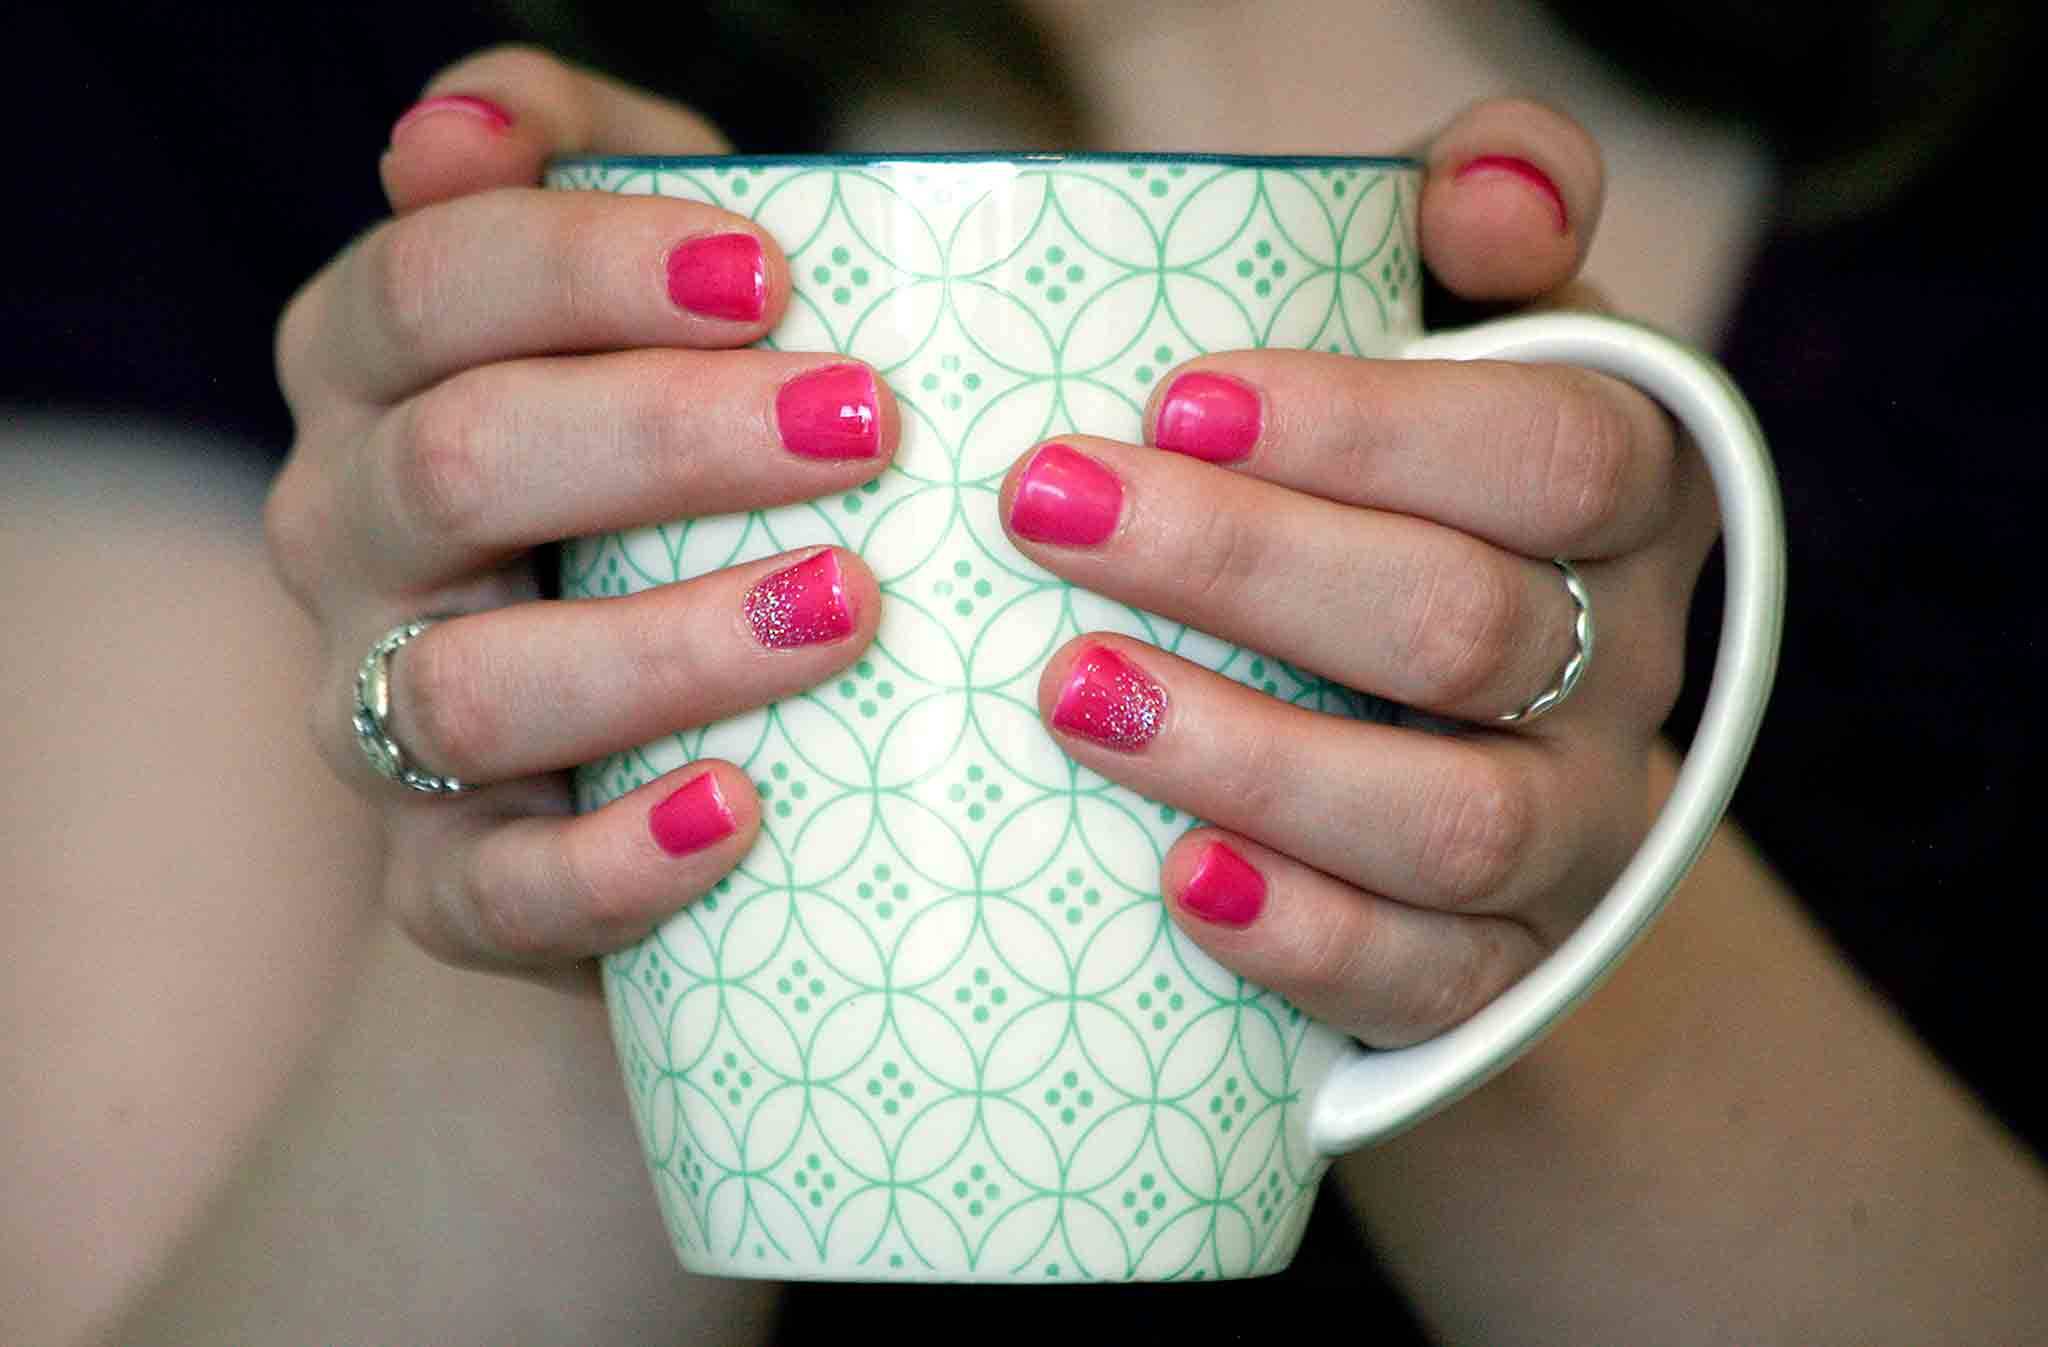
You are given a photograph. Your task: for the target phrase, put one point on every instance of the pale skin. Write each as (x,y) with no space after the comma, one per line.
(1370,940)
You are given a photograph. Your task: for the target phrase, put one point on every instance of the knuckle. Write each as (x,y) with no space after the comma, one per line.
(481,921)
(1333,961)
(293,530)
(1476,831)
(1585,444)
(408,271)
(1219,552)
(581,244)
(442,471)
(1461,987)
(1463,643)
(294,342)
(453,717)
(587,884)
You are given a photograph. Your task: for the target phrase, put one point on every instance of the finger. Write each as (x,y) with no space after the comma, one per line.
(539,687)
(510,880)
(510,455)
(1544,460)
(1384,972)
(1415,612)
(522,272)
(1510,200)
(494,120)
(1468,825)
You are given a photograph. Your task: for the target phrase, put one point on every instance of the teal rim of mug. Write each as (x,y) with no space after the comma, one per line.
(1032,158)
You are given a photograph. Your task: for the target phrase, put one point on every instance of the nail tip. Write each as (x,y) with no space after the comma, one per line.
(1526,171)
(723,276)
(1066,498)
(1110,701)
(693,817)
(805,604)
(1209,416)
(1224,888)
(832,413)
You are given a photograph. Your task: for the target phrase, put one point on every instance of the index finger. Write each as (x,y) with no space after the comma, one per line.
(494,120)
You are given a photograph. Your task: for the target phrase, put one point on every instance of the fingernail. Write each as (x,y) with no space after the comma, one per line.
(720,276)
(692,818)
(482,109)
(1224,889)
(1110,700)
(1208,416)
(834,412)
(1527,172)
(801,604)
(1066,497)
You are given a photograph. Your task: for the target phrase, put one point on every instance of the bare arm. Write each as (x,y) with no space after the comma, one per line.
(1734,1141)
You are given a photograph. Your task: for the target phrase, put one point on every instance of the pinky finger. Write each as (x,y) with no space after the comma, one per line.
(1386,973)
(541,889)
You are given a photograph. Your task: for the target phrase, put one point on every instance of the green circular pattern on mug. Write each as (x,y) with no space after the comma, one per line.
(938,1025)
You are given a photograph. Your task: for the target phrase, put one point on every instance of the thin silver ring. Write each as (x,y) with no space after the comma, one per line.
(373,709)
(1553,696)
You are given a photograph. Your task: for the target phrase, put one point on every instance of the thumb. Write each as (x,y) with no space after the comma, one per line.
(1510,200)
(493,119)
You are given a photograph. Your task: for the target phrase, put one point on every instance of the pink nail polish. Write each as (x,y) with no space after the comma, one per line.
(1527,172)
(481,109)
(692,818)
(1224,889)
(833,412)
(1066,497)
(1110,700)
(801,604)
(720,276)
(1208,416)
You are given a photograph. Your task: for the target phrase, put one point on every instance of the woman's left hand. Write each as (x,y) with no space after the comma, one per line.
(1390,525)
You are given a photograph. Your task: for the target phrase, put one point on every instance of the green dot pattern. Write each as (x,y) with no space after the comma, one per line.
(938,1025)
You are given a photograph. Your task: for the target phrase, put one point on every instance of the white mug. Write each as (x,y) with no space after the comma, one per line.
(937,1026)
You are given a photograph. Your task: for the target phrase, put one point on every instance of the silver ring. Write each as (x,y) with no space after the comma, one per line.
(1553,696)
(373,707)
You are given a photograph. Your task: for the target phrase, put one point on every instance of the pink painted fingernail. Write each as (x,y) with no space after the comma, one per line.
(802,604)
(1224,889)
(1527,172)
(692,818)
(481,109)
(1208,416)
(833,412)
(1110,700)
(720,276)
(1066,497)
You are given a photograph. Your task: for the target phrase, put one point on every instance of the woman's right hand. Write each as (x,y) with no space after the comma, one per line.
(498,367)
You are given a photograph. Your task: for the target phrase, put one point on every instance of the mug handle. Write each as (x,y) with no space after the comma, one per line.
(1371,1095)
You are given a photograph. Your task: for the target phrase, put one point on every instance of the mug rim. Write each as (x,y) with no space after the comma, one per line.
(1022,158)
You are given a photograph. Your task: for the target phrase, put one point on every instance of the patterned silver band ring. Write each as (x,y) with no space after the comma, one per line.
(1553,696)
(373,708)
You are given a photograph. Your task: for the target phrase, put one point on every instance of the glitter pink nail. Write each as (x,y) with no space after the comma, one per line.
(1110,700)
(802,604)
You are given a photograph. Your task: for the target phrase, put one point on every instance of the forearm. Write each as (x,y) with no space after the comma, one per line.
(1733,1141)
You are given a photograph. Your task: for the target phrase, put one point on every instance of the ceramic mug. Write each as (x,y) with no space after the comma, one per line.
(937,1025)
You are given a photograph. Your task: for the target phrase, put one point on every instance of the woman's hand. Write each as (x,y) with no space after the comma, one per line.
(497,367)
(1390,525)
